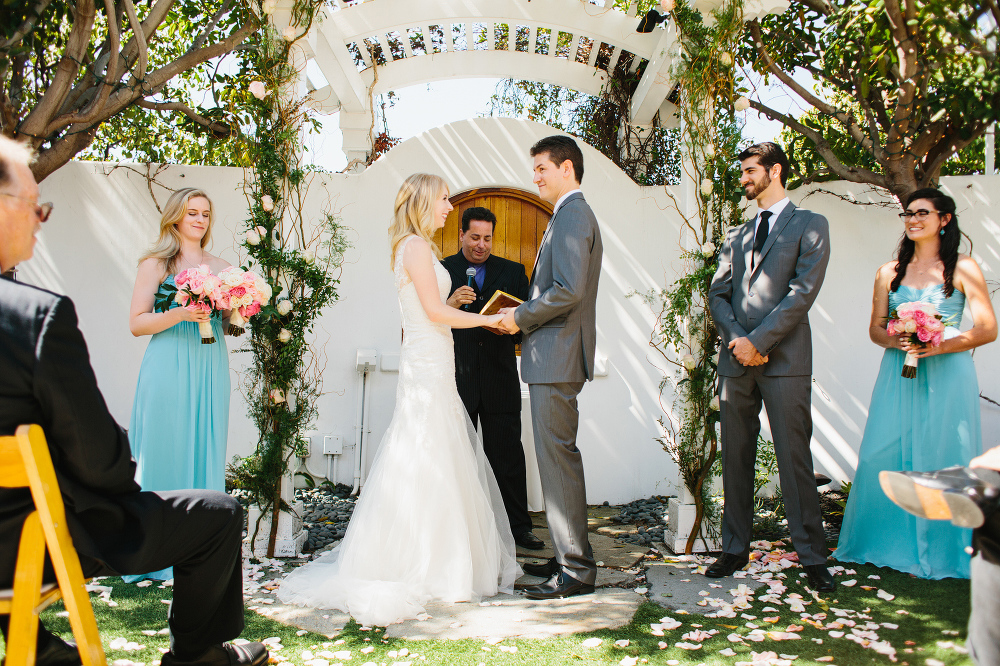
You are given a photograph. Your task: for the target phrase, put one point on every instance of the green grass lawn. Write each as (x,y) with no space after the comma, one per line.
(935,615)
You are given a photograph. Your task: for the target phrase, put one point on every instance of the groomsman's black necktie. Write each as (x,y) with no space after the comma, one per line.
(760,237)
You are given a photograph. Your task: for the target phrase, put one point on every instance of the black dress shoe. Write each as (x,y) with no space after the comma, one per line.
(559,586)
(964,495)
(819,578)
(726,565)
(54,651)
(226,654)
(541,570)
(529,541)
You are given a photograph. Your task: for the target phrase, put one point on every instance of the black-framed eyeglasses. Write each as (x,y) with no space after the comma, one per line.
(919,215)
(42,210)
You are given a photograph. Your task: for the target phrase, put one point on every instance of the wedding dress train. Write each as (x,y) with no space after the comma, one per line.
(430,522)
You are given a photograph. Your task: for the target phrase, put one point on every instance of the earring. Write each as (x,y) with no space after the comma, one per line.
(942,231)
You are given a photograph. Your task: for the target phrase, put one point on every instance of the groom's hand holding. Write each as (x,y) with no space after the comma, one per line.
(508,323)
(746,353)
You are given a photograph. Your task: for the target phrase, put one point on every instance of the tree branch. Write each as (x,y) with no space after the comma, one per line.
(853,129)
(819,6)
(26,27)
(93,110)
(141,41)
(33,126)
(198,43)
(852,173)
(220,129)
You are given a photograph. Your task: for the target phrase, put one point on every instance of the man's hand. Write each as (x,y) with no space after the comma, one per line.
(746,353)
(990,459)
(508,324)
(462,296)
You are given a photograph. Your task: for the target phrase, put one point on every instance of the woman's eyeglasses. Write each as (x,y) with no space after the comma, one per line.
(918,215)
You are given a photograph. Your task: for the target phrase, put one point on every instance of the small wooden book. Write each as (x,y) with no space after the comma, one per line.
(500,300)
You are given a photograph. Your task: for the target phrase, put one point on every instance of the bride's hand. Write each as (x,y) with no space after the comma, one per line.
(495,321)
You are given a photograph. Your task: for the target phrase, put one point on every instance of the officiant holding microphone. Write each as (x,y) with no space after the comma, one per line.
(486,366)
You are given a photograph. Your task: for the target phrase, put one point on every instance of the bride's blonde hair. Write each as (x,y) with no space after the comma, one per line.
(168,246)
(414,212)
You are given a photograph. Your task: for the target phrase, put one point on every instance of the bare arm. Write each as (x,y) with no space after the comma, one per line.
(419,264)
(880,309)
(142,320)
(969,279)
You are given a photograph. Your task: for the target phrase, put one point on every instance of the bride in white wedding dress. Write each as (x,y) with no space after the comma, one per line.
(430,523)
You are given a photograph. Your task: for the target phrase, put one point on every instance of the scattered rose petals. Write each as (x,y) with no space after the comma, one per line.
(622,643)
(849,583)
(882,594)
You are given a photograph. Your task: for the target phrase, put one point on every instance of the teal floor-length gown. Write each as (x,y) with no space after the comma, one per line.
(180,416)
(922,424)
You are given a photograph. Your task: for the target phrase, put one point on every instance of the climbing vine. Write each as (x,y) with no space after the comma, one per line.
(684,333)
(299,255)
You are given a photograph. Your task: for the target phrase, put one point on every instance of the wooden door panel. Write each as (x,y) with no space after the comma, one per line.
(521,221)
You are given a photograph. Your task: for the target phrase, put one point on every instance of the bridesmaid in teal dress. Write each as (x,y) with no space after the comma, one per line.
(180,415)
(931,421)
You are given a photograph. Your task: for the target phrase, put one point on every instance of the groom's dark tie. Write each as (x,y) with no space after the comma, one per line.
(760,237)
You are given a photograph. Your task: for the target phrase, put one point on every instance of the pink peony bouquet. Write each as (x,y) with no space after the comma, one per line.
(199,289)
(923,326)
(245,293)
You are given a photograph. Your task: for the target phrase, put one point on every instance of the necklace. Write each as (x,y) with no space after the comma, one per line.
(191,265)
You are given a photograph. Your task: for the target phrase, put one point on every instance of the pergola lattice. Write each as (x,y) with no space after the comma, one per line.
(367,48)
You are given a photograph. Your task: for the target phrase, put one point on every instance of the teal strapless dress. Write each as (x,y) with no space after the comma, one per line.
(922,424)
(180,417)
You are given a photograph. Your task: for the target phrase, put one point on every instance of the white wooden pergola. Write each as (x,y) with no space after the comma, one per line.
(369,47)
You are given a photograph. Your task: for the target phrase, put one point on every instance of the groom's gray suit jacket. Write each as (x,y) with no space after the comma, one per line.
(559,317)
(770,304)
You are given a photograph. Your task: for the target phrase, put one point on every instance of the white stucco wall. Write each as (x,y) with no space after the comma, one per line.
(105,218)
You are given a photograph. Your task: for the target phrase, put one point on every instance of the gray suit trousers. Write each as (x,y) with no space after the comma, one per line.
(787,400)
(554,419)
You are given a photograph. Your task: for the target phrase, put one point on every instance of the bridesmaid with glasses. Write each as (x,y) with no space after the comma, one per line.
(928,422)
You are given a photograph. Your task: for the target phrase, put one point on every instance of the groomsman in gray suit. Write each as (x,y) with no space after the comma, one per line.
(557,358)
(770,271)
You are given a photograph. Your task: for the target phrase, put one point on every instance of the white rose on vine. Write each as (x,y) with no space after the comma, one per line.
(726,59)
(667,6)
(277,396)
(689,362)
(253,238)
(714,404)
(708,249)
(308,257)
(741,104)
(707,186)
(710,151)
(284,335)
(257,89)
(268,6)
(267,203)
(289,34)
(284,307)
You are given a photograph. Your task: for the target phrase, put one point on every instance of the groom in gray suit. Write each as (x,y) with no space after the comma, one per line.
(557,358)
(770,271)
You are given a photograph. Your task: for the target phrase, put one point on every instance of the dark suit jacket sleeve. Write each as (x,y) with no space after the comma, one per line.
(521,290)
(570,255)
(720,294)
(810,269)
(86,443)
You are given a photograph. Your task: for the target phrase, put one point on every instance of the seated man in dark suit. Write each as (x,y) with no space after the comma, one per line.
(486,366)
(46,378)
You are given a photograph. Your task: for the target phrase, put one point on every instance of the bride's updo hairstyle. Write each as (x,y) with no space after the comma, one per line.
(414,212)
(168,246)
(947,253)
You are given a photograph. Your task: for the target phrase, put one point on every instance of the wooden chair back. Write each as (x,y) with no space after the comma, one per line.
(25,462)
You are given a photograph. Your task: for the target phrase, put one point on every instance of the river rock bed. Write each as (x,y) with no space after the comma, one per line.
(650,517)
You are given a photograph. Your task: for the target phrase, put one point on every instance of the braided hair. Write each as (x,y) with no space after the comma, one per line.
(947,253)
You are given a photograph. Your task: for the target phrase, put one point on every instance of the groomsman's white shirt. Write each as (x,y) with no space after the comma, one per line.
(775,212)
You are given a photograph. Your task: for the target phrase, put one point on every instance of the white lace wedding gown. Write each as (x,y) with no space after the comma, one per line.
(430,522)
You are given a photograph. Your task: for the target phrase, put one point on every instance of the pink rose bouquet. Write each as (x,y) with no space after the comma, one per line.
(199,289)
(921,324)
(245,293)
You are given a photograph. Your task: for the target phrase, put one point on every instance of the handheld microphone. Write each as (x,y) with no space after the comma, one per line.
(470,278)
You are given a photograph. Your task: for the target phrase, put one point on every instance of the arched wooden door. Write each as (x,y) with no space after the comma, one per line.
(521,221)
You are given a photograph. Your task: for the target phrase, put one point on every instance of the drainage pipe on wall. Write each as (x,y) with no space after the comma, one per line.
(365,363)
